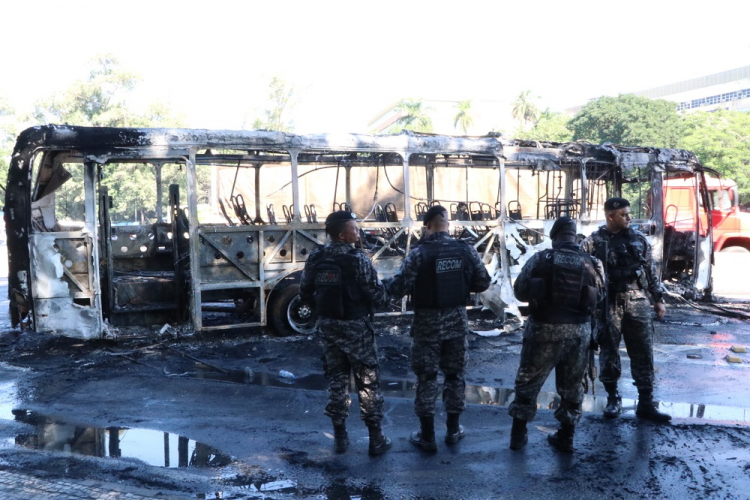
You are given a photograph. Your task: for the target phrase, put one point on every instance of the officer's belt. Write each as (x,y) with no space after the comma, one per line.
(624,287)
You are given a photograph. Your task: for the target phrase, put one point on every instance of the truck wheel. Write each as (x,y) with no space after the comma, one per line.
(287,315)
(734,249)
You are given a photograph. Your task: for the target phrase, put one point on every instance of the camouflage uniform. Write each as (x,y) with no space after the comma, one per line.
(349,345)
(547,346)
(438,336)
(629,312)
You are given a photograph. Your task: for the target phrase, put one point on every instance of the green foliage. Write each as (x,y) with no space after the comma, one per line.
(551,127)
(100,100)
(97,101)
(414,116)
(69,198)
(525,110)
(280,101)
(463,118)
(721,140)
(133,189)
(8,132)
(628,120)
(158,114)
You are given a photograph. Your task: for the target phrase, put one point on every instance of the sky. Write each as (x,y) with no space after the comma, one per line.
(212,61)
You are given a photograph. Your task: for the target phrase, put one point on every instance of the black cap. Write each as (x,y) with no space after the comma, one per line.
(616,203)
(563,225)
(434,211)
(341,216)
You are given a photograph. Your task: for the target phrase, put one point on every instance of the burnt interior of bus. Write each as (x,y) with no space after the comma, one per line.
(255,224)
(144,246)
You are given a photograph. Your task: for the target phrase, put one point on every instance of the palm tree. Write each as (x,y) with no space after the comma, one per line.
(463,118)
(524,109)
(413,116)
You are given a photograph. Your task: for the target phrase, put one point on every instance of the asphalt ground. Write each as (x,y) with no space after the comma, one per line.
(264,436)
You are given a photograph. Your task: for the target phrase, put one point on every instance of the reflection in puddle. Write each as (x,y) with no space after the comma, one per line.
(162,449)
(596,404)
(253,490)
(498,396)
(8,400)
(153,447)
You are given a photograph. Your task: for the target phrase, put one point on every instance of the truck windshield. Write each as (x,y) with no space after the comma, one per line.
(721,199)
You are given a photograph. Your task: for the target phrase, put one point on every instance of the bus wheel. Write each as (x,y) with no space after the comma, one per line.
(288,315)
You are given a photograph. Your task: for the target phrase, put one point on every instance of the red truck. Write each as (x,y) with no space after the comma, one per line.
(731,227)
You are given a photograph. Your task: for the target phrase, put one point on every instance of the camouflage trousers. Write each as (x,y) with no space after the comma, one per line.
(562,347)
(630,320)
(448,355)
(349,348)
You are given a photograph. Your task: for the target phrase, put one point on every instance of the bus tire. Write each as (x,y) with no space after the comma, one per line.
(287,315)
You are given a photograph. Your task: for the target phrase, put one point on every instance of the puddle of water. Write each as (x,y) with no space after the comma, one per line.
(253,490)
(338,489)
(596,404)
(156,448)
(8,400)
(499,396)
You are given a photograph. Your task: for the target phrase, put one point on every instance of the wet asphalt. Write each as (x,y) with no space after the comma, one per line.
(188,430)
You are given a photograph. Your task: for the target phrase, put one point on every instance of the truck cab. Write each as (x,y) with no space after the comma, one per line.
(731,227)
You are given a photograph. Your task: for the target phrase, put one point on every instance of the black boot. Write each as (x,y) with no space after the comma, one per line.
(518,434)
(614,401)
(455,431)
(340,436)
(425,437)
(649,409)
(563,438)
(379,442)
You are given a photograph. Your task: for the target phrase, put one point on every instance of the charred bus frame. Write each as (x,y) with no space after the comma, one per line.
(69,279)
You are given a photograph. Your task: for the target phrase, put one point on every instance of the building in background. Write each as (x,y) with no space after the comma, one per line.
(725,90)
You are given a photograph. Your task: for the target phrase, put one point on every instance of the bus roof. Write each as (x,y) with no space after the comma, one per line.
(105,144)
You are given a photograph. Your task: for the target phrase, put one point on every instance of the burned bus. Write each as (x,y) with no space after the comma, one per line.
(211,229)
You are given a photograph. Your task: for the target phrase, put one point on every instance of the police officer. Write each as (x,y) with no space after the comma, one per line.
(562,286)
(439,274)
(632,278)
(343,284)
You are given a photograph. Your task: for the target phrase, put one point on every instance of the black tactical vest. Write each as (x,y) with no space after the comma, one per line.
(338,294)
(569,294)
(625,259)
(444,275)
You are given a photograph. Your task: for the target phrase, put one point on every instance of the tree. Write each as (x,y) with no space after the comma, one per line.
(551,127)
(628,120)
(463,118)
(101,100)
(414,116)
(524,109)
(158,114)
(280,101)
(721,140)
(8,132)
(97,101)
